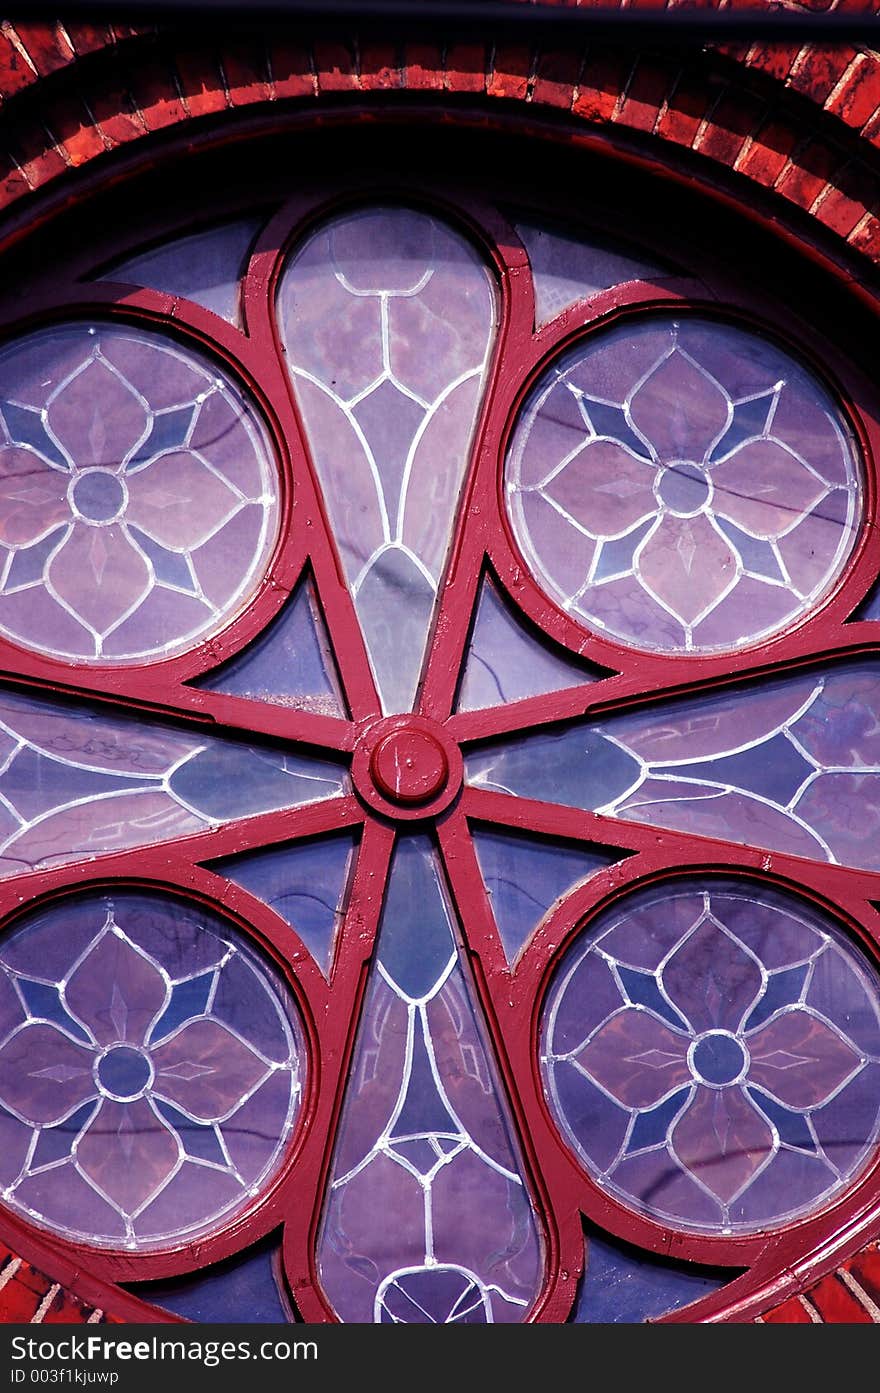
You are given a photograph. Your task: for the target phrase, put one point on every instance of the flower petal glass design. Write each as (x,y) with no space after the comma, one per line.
(711,1052)
(138,498)
(151,1070)
(683,485)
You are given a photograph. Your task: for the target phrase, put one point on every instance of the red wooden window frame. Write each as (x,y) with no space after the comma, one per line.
(774,1264)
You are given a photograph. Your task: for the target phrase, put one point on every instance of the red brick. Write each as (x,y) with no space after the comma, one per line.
(47,49)
(380,67)
(859,95)
(35,152)
(811,168)
(866,1270)
(817,70)
(113,109)
(601,82)
(791,1312)
(89,38)
(201,82)
(866,239)
(73,126)
(423,67)
(844,206)
(291,69)
(465,68)
(768,153)
(836,1305)
(335,67)
(735,117)
(510,71)
(13,183)
(556,76)
(773,59)
(648,89)
(15,72)
(154,90)
(247,78)
(688,107)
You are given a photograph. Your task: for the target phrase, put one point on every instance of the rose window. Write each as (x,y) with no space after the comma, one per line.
(439,771)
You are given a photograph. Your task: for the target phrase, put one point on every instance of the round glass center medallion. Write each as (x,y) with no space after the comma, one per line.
(717,1059)
(98,496)
(708,1050)
(123,1072)
(683,485)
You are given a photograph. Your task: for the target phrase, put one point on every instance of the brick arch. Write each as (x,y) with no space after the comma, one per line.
(802,124)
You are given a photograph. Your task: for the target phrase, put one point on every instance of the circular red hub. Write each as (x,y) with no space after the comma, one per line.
(407,767)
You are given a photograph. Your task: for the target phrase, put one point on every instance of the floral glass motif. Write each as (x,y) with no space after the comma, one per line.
(683,485)
(138,498)
(711,1052)
(151,1069)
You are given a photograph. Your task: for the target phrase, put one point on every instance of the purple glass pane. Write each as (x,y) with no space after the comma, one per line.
(792,765)
(625,1285)
(306,884)
(427,1215)
(388,320)
(686,507)
(289,664)
(112,492)
(524,877)
(569,265)
(205,267)
(141,1130)
(506,662)
(721,1122)
(77,782)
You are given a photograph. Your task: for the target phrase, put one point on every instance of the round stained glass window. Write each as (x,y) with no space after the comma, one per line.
(151,1070)
(683,485)
(711,1052)
(138,498)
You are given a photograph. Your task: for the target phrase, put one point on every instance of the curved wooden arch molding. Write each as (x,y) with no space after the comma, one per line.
(796,128)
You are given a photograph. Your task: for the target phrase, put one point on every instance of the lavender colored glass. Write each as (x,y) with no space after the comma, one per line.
(305,882)
(569,265)
(151,1070)
(289,664)
(718,1078)
(205,267)
(388,320)
(525,876)
(427,1216)
(75,782)
(506,662)
(138,495)
(792,765)
(683,485)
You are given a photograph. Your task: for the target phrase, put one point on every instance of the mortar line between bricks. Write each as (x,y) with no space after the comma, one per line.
(811,1311)
(858,1291)
(40,1313)
(9,1271)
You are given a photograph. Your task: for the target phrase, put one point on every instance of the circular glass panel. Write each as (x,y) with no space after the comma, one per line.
(683,485)
(710,1050)
(138,497)
(151,1069)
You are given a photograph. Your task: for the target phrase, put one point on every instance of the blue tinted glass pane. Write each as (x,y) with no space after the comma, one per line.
(625,1285)
(305,883)
(244,1288)
(524,877)
(289,664)
(205,267)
